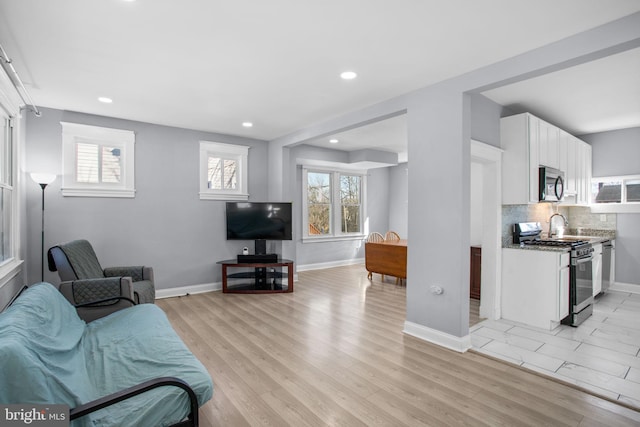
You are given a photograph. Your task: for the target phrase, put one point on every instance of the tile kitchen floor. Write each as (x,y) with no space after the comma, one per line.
(601,355)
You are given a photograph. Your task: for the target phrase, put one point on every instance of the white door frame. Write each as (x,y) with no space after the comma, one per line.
(490,158)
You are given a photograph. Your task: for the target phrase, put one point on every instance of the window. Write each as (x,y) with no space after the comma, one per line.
(616,194)
(6,188)
(10,208)
(97,161)
(333,204)
(223,171)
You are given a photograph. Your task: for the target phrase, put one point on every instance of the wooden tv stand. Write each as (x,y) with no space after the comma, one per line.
(257,277)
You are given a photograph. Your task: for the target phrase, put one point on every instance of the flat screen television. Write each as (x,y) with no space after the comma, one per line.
(258,221)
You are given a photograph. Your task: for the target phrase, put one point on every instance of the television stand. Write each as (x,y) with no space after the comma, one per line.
(257,277)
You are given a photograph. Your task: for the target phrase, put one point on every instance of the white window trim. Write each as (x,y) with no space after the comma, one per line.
(238,152)
(10,105)
(122,139)
(616,207)
(337,235)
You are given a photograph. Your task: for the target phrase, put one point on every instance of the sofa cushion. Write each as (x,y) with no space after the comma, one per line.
(49,355)
(41,357)
(137,344)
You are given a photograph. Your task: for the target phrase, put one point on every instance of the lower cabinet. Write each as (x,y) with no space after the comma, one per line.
(535,287)
(597,268)
(476,263)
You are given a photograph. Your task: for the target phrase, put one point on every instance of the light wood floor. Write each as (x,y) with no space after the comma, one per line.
(333,353)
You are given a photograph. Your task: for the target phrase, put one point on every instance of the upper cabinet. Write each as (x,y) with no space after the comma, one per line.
(528,143)
(548,145)
(567,148)
(519,140)
(583,173)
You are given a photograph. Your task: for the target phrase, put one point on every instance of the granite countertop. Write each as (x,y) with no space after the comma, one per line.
(593,236)
(537,248)
(591,233)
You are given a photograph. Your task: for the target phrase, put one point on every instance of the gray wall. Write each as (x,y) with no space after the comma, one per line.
(617,153)
(165,226)
(485,119)
(399,199)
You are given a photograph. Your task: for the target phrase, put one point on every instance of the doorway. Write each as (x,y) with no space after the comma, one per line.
(486,166)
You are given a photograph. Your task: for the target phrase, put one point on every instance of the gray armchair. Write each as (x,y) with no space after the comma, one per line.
(95,291)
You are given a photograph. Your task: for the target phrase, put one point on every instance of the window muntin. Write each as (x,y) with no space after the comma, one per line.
(632,188)
(616,190)
(6,152)
(6,208)
(319,203)
(607,192)
(350,203)
(223,171)
(97,161)
(6,189)
(333,204)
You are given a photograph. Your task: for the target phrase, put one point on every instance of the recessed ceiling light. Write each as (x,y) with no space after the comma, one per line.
(105,100)
(247,124)
(348,75)
(333,141)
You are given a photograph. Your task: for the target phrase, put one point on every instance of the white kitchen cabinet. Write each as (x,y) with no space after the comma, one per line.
(567,156)
(583,172)
(535,287)
(529,142)
(612,274)
(587,173)
(519,140)
(548,145)
(596,264)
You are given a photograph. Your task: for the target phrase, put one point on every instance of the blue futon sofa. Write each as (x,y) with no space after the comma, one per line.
(48,355)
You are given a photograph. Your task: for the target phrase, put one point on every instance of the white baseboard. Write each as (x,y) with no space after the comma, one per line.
(188,290)
(625,287)
(459,344)
(321,265)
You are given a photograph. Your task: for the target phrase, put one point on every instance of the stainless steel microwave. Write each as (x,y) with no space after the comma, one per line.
(551,184)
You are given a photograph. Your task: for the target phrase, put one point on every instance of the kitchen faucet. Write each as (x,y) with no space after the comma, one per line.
(566,223)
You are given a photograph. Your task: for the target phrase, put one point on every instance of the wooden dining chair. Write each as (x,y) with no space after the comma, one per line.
(374,237)
(391,235)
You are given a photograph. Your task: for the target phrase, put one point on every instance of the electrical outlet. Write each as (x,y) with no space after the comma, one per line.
(603,218)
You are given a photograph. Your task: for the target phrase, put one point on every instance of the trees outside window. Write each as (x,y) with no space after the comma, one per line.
(333,203)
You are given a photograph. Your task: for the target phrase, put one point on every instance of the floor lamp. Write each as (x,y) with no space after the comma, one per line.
(43,179)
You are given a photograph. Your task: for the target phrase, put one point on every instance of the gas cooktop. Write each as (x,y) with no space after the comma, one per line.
(529,234)
(556,243)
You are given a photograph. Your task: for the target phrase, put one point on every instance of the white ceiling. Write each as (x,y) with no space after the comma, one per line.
(210,65)
(593,97)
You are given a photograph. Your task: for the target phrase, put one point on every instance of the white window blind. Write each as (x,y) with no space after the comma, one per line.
(97,162)
(223,171)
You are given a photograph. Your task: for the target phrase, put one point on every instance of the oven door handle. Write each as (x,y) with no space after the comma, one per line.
(582,260)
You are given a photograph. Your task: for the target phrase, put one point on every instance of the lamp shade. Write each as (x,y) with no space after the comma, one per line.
(43,178)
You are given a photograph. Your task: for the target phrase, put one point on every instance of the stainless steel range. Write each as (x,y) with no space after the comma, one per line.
(581,271)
